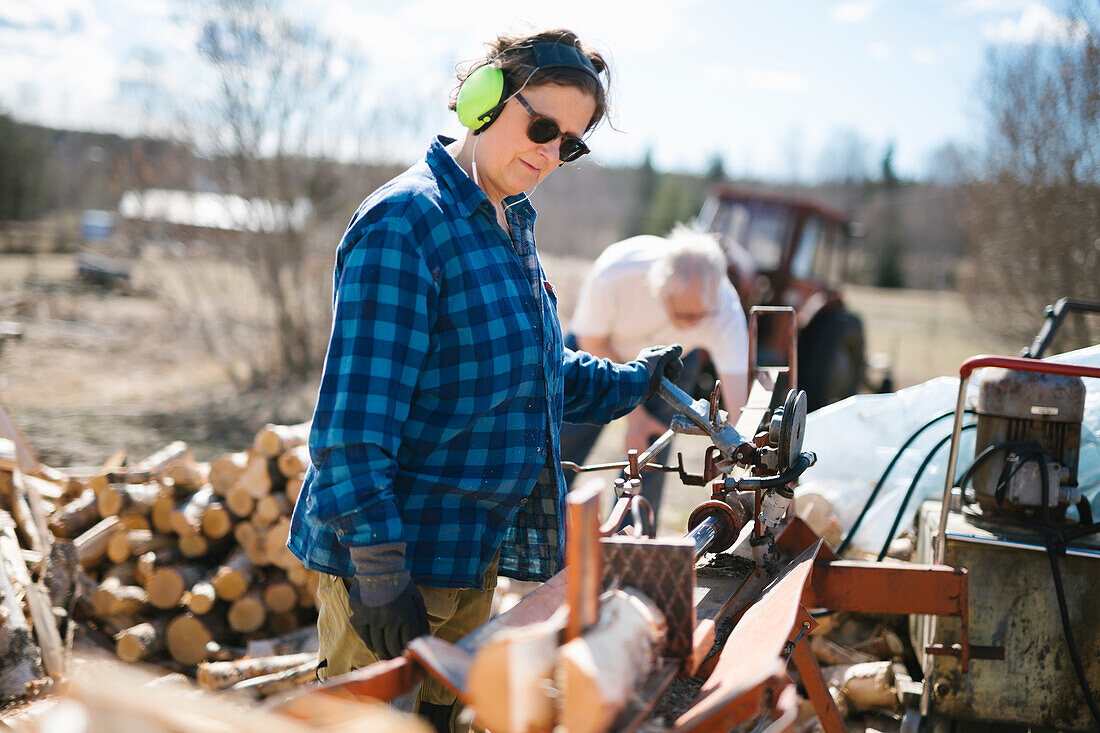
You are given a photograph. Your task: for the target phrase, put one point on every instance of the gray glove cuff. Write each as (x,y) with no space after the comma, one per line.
(380,572)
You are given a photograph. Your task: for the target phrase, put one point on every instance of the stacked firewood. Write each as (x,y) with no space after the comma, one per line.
(168,560)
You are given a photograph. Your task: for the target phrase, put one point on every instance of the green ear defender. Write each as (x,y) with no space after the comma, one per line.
(480,98)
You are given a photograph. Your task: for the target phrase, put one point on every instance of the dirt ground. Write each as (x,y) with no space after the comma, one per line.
(97,371)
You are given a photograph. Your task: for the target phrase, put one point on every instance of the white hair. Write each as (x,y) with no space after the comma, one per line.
(693,259)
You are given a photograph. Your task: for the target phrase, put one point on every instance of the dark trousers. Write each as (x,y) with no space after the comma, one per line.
(577,439)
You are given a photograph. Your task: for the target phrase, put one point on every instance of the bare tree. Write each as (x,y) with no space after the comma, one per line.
(1032,216)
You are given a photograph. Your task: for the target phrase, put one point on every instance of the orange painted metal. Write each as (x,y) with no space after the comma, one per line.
(802,658)
(381,680)
(583,560)
(871,587)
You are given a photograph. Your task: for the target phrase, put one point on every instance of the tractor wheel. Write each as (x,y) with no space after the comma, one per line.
(830,357)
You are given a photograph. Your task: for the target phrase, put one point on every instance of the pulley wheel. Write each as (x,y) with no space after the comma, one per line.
(792,429)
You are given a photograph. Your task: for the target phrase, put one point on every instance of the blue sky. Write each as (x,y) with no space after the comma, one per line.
(770,86)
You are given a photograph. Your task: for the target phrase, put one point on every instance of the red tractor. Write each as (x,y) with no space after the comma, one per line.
(787,250)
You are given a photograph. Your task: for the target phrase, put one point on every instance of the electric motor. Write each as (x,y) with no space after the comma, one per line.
(1040,414)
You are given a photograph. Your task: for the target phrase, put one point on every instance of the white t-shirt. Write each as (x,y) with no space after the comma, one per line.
(617,301)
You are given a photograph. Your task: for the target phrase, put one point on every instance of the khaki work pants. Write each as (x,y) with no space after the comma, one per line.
(452,614)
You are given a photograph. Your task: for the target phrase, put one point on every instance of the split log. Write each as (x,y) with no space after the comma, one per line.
(240,502)
(134,543)
(142,641)
(870,686)
(275,548)
(270,508)
(37,599)
(29,521)
(91,545)
(303,640)
(20,661)
(294,487)
(276,682)
(626,640)
(76,516)
(188,637)
(274,439)
(247,614)
(279,594)
(112,598)
(166,585)
(187,517)
(232,580)
(294,461)
(226,470)
(256,479)
(112,470)
(59,491)
(509,680)
(119,499)
(217,522)
(214,676)
(188,474)
(60,576)
(200,597)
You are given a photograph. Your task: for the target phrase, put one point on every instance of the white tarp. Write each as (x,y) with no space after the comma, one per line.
(855,440)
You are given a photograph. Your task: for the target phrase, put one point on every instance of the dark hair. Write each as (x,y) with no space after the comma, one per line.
(512,54)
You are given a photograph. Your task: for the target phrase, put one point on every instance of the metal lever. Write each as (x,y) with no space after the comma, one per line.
(724,436)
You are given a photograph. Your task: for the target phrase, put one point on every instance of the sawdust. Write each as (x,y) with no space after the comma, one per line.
(683,691)
(725,565)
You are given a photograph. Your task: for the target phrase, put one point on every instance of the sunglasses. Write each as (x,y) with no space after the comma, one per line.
(542,130)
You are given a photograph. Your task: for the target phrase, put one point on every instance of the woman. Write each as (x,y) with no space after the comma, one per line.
(435,438)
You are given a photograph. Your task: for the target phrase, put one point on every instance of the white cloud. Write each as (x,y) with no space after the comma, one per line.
(923,55)
(854,11)
(971,7)
(879,51)
(1036,24)
(775,80)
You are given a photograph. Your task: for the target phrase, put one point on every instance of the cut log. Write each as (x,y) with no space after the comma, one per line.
(136,521)
(193,545)
(829,653)
(302,640)
(280,595)
(112,598)
(247,614)
(20,659)
(214,676)
(91,545)
(256,479)
(251,540)
(282,623)
(274,439)
(75,517)
(217,522)
(294,487)
(294,461)
(142,641)
(269,509)
(187,518)
(300,575)
(275,548)
(119,499)
(60,576)
(155,559)
(153,466)
(134,543)
(870,686)
(188,637)
(59,491)
(188,474)
(200,598)
(26,491)
(226,470)
(166,585)
(626,640)
(231,580)
(509,683)
(240,502)
(167,499)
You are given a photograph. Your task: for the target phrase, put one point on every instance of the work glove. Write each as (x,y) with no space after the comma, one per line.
(661,361)
(387,610)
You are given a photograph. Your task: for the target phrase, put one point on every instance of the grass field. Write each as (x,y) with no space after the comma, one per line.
(99,371)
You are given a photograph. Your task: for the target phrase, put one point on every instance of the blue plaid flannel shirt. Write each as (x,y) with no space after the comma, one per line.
(444,387)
